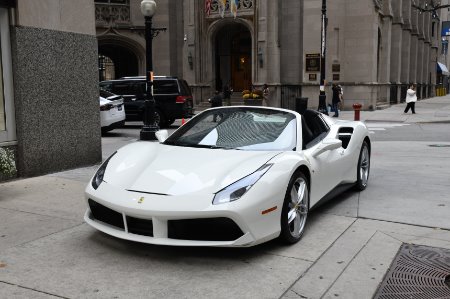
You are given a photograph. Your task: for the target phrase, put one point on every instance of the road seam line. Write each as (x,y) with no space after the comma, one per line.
(34,290)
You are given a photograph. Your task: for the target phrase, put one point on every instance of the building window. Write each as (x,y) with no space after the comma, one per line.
(7,120)
(112,11)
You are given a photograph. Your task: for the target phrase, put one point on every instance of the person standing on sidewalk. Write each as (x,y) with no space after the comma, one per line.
(411,99)
(336,99)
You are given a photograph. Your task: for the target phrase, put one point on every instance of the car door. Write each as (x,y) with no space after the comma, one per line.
(133,105)
(326,167)
(166,92)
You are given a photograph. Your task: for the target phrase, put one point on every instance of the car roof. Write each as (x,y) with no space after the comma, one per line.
(139,78)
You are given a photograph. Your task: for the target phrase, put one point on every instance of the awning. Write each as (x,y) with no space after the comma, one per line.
(442,69)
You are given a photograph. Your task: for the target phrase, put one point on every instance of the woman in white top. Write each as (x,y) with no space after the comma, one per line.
(411,99)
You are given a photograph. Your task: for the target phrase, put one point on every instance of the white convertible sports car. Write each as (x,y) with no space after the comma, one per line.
(231,176)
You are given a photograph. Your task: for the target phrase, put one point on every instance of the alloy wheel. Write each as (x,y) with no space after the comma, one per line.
(364,166)
(298,207)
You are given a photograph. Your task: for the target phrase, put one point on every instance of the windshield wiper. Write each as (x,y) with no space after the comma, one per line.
(177,143)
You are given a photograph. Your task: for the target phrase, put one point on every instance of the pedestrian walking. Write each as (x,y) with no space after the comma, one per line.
(266,93)
(411,99)
(336,99)
(227,91)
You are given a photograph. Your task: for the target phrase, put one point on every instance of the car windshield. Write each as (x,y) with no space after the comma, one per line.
(252,129)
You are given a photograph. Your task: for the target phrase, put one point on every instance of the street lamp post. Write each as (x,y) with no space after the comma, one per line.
(148,9)
(323,50)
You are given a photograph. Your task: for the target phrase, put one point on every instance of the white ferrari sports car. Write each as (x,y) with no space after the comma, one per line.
(231,176)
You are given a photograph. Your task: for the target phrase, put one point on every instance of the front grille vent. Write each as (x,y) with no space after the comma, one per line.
(140,226)
(207,229)
(106,215)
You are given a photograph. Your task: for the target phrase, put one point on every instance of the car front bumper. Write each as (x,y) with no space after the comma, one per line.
(157,213)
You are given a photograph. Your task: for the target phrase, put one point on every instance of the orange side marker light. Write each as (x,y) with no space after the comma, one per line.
(269,210)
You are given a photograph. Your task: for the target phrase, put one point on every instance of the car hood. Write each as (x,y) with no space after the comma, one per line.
(173,170)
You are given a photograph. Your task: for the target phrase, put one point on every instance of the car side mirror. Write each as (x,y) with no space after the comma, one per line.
(327,145)
(162,135)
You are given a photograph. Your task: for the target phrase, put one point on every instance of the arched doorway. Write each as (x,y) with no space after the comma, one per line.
(125,62)
(233,48)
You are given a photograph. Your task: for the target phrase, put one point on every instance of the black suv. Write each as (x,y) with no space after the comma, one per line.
(173,97)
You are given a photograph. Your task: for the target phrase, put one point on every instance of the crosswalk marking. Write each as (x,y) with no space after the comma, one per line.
(382,126)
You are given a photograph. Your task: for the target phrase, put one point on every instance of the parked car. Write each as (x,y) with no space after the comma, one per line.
(173,98)
(252,174)
(112,111)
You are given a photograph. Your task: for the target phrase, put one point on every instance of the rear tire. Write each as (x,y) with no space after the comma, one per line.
(295,209)
(363,170)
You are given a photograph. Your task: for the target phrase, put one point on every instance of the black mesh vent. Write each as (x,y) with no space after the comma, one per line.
(106,215)
(140,226)
(208,229)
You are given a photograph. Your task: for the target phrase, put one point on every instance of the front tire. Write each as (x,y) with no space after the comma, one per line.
(363,167)
(295,209)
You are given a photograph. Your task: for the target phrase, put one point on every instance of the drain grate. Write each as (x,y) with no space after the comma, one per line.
(420,272)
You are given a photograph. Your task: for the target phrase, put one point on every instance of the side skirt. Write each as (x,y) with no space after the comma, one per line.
(333,193)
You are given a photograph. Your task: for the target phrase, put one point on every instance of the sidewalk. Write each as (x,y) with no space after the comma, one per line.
(428,110)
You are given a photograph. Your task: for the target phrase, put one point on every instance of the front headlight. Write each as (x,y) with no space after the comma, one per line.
(239,188)
(98,177)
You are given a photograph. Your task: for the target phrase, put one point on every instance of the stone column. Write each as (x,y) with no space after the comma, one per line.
(420,54)
(426,62)
(396,51)
(426,70)
(414,47)
(406,43)
(273,51)
(385,59)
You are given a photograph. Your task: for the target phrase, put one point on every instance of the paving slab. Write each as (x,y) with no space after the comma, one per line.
(15,292)
(82,262)
(356,263)
(20,227)
(49,196)
(434,237)
(362,276)
(321,232)
(83,174)
(325,271)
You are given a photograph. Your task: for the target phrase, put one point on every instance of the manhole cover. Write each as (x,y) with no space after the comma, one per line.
(439,145)
(420,272)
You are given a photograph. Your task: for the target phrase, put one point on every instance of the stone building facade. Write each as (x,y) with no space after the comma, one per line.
(49,109)
(375,48)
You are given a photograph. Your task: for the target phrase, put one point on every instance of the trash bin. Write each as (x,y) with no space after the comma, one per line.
(301,104)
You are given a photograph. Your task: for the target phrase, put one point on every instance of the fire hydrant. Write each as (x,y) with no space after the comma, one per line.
(357,108)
